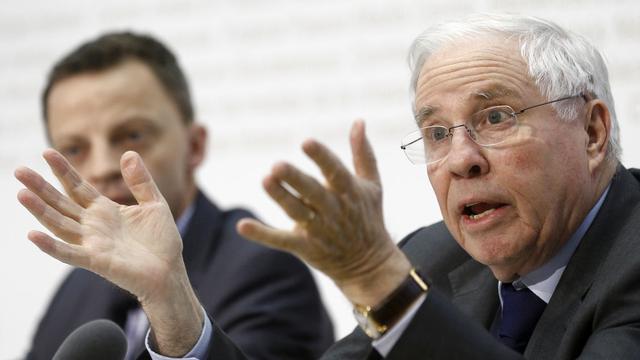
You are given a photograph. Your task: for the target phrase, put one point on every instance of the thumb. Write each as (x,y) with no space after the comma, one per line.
(364,160)
(138,178)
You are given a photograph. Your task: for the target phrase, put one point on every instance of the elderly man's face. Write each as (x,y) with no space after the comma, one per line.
(510,206)
(95,117)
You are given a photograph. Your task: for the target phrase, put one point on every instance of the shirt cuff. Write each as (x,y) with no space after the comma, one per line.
(385,343)
(199,350)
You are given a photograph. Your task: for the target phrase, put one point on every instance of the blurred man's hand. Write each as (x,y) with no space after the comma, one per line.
(136,247)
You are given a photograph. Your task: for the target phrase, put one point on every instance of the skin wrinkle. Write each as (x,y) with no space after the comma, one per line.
(494,93)
(471,76)
(488,97)
(499,39)
(513,81)
(474,64)
(477,64)
(479,77)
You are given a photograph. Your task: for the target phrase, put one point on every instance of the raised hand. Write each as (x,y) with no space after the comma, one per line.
(136,247)
(339,226)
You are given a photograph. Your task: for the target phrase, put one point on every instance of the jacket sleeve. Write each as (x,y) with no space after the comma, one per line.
(437,331)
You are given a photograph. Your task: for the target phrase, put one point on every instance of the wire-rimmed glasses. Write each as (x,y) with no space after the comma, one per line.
(487,127)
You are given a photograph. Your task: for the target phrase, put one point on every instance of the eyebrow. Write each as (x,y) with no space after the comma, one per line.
(494,92)
(423,113)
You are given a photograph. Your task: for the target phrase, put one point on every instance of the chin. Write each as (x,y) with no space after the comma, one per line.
(506,275)
(491,251)
(505,261)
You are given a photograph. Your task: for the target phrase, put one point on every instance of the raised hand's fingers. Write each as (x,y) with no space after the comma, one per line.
(279,239)
(138,178)
(39,186)
(364,160)
(337,175)
(78,189)
(310,191)
(64,227)
(67,253)
(293,206)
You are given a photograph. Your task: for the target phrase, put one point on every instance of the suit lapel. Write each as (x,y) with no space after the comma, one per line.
(475,291)
(201,238)
(469,285)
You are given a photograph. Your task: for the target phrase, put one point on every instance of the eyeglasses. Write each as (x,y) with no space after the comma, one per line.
(487,127)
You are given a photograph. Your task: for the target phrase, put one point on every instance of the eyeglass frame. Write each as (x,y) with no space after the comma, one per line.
(514,114)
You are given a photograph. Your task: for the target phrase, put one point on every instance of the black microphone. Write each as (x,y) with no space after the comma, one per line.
(97,340)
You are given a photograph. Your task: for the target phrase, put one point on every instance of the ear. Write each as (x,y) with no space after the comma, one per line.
(197,142)
(598,128)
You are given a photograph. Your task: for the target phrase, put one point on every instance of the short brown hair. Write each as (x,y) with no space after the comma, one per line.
(111,49)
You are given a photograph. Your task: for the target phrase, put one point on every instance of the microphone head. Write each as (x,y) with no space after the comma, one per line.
(97,340)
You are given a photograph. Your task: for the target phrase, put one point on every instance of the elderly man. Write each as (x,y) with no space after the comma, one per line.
(125,91)
(536,255)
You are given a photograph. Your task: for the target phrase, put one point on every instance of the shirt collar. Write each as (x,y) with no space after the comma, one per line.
(544,280)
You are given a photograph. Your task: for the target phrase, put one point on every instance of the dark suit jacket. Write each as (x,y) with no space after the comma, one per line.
(594,312)
(265,300)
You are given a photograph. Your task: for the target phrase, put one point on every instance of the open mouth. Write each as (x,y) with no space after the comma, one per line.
(479,210)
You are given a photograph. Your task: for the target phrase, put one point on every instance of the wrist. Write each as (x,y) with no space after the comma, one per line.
(175,315)
(373,286)
(376,321)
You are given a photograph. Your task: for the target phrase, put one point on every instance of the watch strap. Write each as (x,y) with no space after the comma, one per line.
(386,314)
(396,304)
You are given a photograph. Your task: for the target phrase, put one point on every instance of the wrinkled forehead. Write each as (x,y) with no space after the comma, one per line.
(464,43)
(482,68)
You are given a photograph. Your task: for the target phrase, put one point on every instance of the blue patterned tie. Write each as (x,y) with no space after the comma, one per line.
(521,310)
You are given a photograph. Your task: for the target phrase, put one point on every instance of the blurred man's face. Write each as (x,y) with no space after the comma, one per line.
(95,117)
(510,206)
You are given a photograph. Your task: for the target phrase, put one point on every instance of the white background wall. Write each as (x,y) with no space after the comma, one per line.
(265,75)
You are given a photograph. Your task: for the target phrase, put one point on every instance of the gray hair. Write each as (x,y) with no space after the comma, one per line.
(560,62)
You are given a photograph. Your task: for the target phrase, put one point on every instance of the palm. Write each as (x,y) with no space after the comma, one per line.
(124,243)
(133,246)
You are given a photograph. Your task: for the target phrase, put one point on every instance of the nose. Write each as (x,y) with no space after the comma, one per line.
(103,166)
(465,158)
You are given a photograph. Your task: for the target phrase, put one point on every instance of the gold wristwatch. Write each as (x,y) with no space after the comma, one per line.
(376,321)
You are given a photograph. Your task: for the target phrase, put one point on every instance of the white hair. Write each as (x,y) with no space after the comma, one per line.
(560,62)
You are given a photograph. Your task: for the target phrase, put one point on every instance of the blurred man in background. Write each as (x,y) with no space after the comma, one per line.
(124,91)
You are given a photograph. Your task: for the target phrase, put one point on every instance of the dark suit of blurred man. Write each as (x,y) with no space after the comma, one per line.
(124,91)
